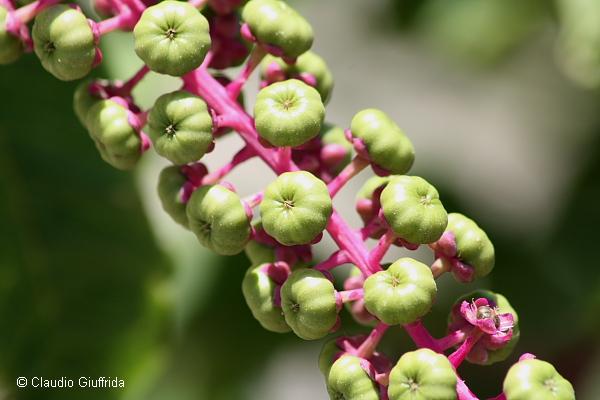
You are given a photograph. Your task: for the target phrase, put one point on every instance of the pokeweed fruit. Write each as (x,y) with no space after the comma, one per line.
(309,68)
(401,294)
(535,379)
(276,24)
(64,42)
(422,374)
(348,380)
(288,113)
(218,218)
(172,37)
(180,127)
(285,288)
(309,304)
(413,209)
(295,208)
(386,145)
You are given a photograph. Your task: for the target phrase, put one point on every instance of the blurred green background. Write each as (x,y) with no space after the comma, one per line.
(500,100)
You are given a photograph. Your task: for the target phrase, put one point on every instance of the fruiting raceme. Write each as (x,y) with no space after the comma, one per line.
(285,289)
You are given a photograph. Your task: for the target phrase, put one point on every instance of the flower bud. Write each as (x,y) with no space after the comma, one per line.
(348,380)
(536,379)
(259,291)
(413,209)
(218,218)
(309,303)
(422,374)
(367,198)
(336,152)
(275,23)
(170,184)
(117,141)
(401,294)
(180,127)
(296,208)
(11,46)
(387,146)
(64,42)
(288,113)
(172,37)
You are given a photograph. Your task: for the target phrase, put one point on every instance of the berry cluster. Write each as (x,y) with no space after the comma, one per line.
(284,289)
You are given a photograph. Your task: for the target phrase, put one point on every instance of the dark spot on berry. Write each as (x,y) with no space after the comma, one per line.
(550,384)
(288,204)
(49,47)
(170,130)
(412,385)
(295,307)
(171,33)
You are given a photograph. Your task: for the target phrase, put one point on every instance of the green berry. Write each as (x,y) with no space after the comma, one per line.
(64,42)
(422,374)
(288,113)
(11,46)
(259,253)
(83,101)
(180,127)
(387,145)
(472,244)
(258,289)
(307,63)
(117,141)
(413,210)
(366,192)
(275,23)
(348,380)
(328,352)
(401,294)
(218,218)
(172,37)
(309,303)
(536,380)
(296,208)
(334,135)
(170,183)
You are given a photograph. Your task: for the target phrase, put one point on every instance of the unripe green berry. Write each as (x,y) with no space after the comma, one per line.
(401,294)
(218,218)
(258,289)
(259,253)
(309,303)
(422,374)
(83,101)
(64,42)
(366,192)
(536,380)
(334,135)
(307,63)
(473,246)
(180,127)
(413,210)
(172,37)
(11,46)
(348,380)
(296,208)
(328,352)
(275,23)
(117,141)
(387,145)
(170,183)
(288,113)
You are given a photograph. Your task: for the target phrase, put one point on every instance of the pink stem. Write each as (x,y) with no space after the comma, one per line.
(373,226)
(367,348)
(112,24)
(254,199)
(243,155)
(27,13)
(501,396)
(127,87)
(421,336)
(463,351)
(377,254)
(198,3)
(463,391)
(235,87)
(351,170)
(348,240)
(451,340)
(285,157)
(347,296)
(334,260)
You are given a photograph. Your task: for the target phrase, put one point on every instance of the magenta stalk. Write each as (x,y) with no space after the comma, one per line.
(241,156)
(421,336)
(351,170)
(378,252)
(367,348)
(347,296)
(235,87)
(463,351)
(336,259)
(27,13)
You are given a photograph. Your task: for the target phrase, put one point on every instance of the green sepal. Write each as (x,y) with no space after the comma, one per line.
(401,294)
(218,218)
(172,37)
(534,379)
(422,375)
(309,303)
(348,380)
(64,42)
(258,289)
(180,127)
(170,184)
(387,145)
(413,210)
(296,208)
(288,113)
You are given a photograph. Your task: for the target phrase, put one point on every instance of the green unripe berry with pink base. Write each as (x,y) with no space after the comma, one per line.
(473,247)
(536,380)
(348,380)
(170,184)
